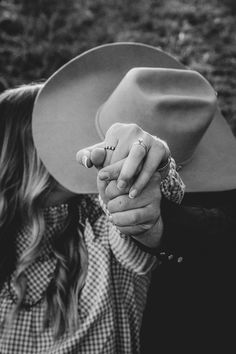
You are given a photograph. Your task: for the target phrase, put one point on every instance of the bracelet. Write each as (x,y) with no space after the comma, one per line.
(172,187)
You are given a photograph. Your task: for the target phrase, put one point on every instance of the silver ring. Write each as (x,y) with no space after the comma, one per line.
(141,143)
(110,147)
(164,168)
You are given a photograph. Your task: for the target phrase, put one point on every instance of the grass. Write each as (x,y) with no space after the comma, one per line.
(37,37)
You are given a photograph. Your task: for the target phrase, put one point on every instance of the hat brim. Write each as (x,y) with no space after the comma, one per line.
(64,112)
(64,121)
(213,164)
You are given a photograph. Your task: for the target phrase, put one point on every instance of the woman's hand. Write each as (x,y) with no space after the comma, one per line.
(139,217)
(128,154)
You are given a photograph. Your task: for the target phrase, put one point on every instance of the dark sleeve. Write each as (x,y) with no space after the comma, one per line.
(193,229)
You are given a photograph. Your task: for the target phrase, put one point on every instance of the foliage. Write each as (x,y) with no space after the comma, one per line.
(37,37)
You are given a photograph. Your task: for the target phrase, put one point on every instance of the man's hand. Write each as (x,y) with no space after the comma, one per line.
(139,217)
(135,206)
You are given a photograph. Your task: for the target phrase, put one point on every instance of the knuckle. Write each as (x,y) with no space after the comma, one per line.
(115,126)
(162,146)
(118,129)
(132,74)
(134,129)
(113,130)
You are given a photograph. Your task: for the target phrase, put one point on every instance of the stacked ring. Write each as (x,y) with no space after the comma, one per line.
(109,147)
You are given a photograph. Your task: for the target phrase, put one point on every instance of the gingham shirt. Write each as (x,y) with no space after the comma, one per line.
(112,301)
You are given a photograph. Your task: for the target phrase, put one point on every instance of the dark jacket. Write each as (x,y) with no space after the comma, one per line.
(191,307)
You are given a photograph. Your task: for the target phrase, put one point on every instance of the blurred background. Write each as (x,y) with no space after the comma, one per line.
(38,36)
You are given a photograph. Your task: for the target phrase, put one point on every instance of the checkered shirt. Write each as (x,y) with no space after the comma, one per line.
(112,301)
(110,305)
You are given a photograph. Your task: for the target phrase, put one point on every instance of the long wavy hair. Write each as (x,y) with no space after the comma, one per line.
(25,184)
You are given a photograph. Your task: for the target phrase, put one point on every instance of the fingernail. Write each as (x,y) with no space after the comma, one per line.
(103,176)
(133,193)
(121,184)
(85,161)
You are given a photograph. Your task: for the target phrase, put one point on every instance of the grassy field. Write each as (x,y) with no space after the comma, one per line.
(38,36)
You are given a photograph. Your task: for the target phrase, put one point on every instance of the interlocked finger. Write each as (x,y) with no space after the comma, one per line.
(140,142)
(133,163)
(138,216)
(157,153)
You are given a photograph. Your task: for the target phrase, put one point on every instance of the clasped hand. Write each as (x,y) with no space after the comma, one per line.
(127,180)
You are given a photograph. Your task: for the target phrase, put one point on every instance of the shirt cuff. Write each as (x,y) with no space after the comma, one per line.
(127,252)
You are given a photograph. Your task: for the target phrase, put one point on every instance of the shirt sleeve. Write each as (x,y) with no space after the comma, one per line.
(125,250)
(197,229)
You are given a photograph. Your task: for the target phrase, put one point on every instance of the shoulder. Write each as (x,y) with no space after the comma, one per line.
(203,220)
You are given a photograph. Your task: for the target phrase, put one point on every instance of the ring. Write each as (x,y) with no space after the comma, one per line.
(164,168)
(141,143)
(109,147)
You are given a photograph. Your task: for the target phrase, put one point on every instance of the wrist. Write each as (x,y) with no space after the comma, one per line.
(151,238)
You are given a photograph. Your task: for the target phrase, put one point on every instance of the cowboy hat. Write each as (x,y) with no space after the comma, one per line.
(132,83)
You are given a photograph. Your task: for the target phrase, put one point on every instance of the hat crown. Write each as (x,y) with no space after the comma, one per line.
(174,104)
(177,105)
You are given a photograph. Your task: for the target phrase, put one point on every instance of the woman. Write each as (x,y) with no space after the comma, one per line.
(69,280)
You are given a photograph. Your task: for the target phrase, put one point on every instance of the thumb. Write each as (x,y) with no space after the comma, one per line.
(83,156)
(101,185)
(97,157)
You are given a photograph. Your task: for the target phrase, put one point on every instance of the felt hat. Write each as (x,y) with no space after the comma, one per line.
(132,83)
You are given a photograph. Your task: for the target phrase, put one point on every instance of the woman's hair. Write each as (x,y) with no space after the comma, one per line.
(25,184)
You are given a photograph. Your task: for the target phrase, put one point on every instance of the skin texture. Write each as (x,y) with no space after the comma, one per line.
(129,161)
(140,216)
(127,180)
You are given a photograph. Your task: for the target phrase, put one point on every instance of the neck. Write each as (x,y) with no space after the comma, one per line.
(59,196)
